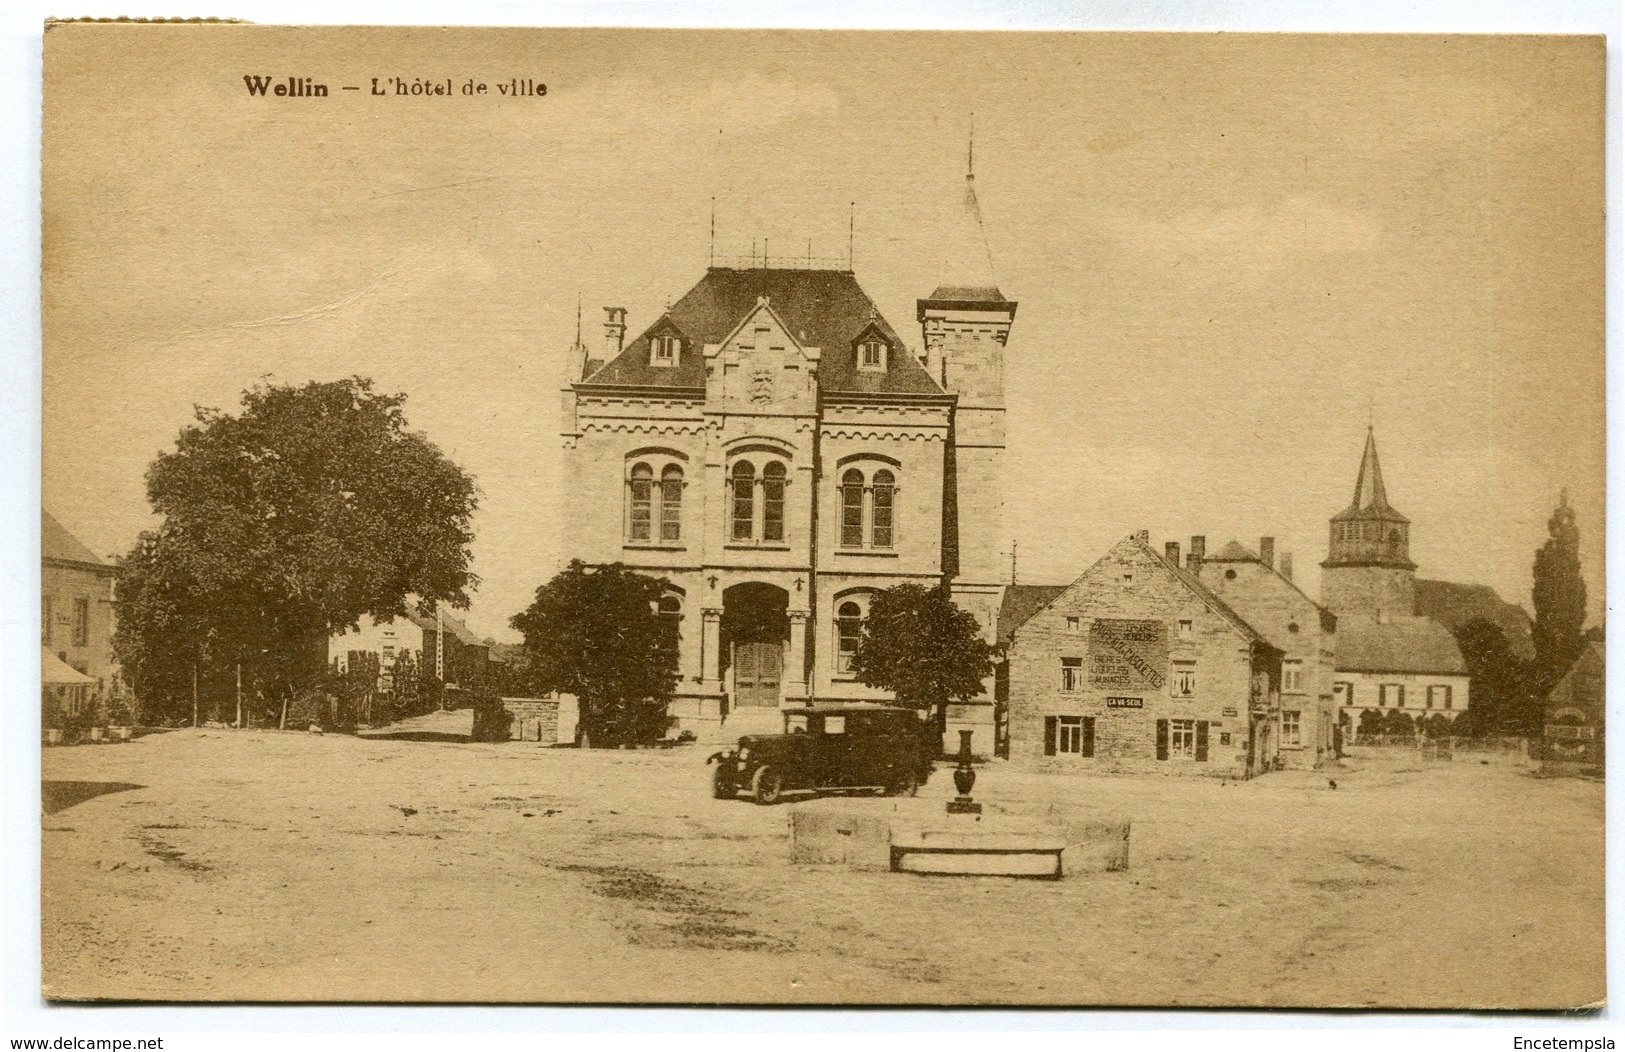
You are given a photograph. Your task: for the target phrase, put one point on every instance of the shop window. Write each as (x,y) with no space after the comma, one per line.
(1071,675)
(1291,727)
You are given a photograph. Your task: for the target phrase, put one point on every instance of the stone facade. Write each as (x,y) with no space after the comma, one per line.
(775,451)
(1304,631)
(1136,666)
(76,611)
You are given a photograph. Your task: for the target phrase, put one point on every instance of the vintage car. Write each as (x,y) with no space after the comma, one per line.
(857,746)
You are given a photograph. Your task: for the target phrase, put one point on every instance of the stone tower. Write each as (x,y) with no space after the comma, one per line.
(1368,570)
(965,323)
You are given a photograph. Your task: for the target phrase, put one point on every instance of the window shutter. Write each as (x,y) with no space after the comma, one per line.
(1201,741)
(1162,739)
(1088,736)
(1049,735)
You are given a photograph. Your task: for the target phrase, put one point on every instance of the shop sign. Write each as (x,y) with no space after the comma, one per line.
(1125,703)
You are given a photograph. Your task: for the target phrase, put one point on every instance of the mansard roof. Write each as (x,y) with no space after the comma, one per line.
(821,308)
(1370,497)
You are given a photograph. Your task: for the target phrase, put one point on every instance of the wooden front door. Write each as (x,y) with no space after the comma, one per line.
(757,668)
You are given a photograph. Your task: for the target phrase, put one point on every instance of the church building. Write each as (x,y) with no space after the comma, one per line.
(775,448)
(1389,656)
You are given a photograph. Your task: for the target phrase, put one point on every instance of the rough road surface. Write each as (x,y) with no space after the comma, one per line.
(413,865)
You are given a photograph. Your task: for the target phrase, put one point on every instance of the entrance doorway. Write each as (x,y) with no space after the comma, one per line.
(755,627)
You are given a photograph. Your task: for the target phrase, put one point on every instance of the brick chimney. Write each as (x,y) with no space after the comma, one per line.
(1266,551)
(1193,562)
(1286,565)
(614,331)
(1171,553)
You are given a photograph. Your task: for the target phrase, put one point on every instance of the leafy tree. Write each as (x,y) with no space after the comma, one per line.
(313,506)
(921,646)
(1370,725)
(1504,694)
(1560,596)
(594,631)
(1397,723)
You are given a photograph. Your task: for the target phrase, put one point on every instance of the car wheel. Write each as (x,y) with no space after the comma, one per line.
(767,786)
(907,783)
(723,786)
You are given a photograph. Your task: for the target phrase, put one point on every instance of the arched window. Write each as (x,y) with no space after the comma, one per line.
(641,485)
(848,633)
(744,500)
(880,519)
(671,503)
(852,509)
(773,501)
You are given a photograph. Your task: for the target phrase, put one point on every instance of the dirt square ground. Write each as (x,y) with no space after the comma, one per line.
(410,866)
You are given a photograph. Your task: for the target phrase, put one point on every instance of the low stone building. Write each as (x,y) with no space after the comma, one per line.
(1305,632)
(444,648)
(1408,665)
(76,612)
(1137,666)
(1573,739)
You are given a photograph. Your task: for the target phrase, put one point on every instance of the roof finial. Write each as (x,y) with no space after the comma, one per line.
(578,317)
(851,228)
(711,255)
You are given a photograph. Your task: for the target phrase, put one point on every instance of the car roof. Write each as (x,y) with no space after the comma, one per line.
(846,710)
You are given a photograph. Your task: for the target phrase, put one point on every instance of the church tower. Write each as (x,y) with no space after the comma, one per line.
(1368,570)
(964,324)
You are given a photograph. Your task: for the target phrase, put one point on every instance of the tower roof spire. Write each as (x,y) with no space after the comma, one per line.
(1370,495)
(966,259)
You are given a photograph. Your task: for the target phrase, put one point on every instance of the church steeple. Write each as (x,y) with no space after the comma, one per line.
(1368,565)
(1368,488)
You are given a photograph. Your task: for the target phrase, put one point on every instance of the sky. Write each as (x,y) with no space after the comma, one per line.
(1232,255)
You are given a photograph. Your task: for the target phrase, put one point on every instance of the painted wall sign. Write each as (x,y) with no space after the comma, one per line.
(1126,653)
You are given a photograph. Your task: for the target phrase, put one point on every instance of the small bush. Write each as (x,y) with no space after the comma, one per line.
(492,721)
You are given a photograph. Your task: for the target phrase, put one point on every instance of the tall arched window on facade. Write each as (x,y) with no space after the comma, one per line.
(848,632)
(852,509)
(883,496)
(640,486)
(744,500)
(773,501)
(671,503)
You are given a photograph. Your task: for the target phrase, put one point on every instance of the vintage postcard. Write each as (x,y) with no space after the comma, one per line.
(833,518)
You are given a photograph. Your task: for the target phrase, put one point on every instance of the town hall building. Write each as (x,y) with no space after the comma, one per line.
(778,451)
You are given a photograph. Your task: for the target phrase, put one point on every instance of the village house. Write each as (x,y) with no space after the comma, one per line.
(775,448)
(1389,658)
(1573,739)
(76,612)
(1305,632)
(442,647)
(1138,666)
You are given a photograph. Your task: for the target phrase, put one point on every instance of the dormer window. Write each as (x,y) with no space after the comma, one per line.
(872,356)
(663,351)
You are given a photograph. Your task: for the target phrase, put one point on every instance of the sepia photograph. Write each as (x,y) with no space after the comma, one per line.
(822,518)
